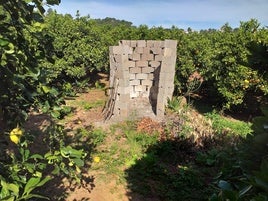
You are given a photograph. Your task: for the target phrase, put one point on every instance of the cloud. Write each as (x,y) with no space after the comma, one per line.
(196,14)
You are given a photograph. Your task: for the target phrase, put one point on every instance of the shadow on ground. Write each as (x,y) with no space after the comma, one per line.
(42,131)
(168,171)
(179,170)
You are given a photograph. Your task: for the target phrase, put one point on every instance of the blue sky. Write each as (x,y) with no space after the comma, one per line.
(197,14)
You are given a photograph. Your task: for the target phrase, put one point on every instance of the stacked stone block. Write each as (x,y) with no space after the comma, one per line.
(141,70)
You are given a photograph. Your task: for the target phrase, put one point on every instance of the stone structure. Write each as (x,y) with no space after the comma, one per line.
(141,78)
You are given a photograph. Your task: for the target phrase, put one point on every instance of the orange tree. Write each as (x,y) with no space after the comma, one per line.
(232,62)
(24,46)
(79,49)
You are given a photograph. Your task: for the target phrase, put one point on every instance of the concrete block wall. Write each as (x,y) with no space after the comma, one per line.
(142,76)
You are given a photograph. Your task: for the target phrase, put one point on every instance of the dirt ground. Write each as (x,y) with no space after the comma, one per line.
(98,186)
(104,187)
(103,190)
(97,189)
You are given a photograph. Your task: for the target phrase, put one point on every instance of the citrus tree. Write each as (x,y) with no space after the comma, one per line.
(24,86)
(22,46)
(78,47)
(232,63)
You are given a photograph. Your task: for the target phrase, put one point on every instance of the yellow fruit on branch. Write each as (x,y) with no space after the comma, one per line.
(16,131)
(15,135)
(14,138)
(246,81)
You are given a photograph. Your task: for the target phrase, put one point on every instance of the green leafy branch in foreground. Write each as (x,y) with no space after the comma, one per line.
(23,87)
(23,172)
(251,181)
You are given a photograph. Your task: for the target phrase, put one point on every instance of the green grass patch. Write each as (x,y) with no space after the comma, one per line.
(89,105)
(229,126)
(122,147)
(148,166)
(168,169)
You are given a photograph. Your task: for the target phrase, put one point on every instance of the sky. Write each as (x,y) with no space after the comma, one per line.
(196,14)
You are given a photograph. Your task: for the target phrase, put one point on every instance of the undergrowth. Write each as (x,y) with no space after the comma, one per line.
(173,167)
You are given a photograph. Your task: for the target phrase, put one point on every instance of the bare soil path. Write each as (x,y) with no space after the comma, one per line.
(100,184)
(86,113)
(106,187)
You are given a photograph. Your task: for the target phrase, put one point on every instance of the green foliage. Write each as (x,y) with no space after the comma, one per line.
(24,174)
(224,59)
(175,104)
(79,48)
(260,122)
(97,136)
(231,62)
(23,45)
(24,85)
(10,191)
(45,59)
(88,106)
(222,125)
(115,156)
(164,165)
(251,181)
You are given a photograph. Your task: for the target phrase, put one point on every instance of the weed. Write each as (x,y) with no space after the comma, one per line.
(230,127)
(97,136)
(88,105)
(99,85)
(177,104)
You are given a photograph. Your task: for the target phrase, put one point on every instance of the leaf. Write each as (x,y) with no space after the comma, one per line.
(262,183)
(26,197)
(6,187)
(3,42)
(34,73)
(41,9)
(45,180)
(264,110)
(36,156)
(78,162)
(14,188)
(37,17)
(37,174)
(8,198)
(224,185)
(56,170)
(30,167)
(26,154)
(46,89)
(45,107)
(30,185)
(55,114)
(11,51)
(70,152)
(57,108)
(65,152)
(53,2)
(244,190)
(54,91)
